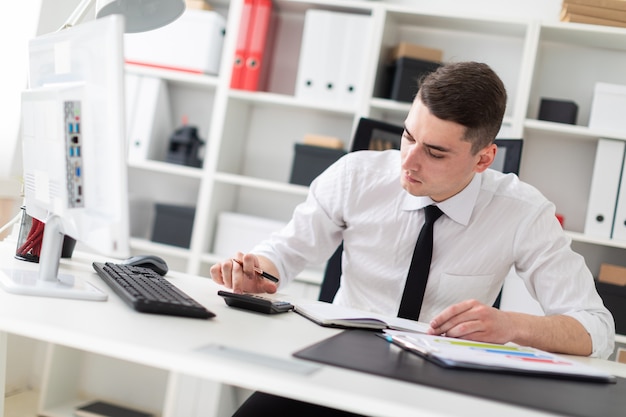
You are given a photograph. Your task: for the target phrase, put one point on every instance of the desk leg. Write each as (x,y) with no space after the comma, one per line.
(189,396)
(3,370)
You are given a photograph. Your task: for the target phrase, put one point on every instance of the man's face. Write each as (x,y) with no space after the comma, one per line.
(436,161)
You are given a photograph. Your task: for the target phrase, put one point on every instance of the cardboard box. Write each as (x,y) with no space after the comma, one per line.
(409,50)
(325,141)
(612,274)
(192,43)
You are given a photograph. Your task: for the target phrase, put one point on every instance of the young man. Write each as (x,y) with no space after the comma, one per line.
(492,222)
(374,202)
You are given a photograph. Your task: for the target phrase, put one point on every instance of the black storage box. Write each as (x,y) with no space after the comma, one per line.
(560,111)
(614,297)
(173,224)
(310,161)
(404,75)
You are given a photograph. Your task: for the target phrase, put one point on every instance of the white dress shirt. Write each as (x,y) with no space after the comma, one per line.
(496,223)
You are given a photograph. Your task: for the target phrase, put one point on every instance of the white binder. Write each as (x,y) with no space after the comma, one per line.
(334,51)
(605,182)
(353,62)
(149,124)
(332,57)
(313,55)
(619,224)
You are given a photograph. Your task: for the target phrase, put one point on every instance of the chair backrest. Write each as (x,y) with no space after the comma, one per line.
(378,135)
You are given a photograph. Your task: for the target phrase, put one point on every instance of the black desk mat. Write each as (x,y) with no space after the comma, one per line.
(364,351)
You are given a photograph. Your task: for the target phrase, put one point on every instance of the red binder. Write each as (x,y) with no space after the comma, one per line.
(243,41)
(255,73)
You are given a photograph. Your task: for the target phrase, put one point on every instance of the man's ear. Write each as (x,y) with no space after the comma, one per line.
(486,157)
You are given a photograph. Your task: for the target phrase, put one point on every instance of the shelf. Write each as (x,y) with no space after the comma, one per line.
(581,237)
(574,132)
(390,105)
(261,184)
(280,100)
(456,22)
(180,77)
(167,168)
(22,404)
(583,35)
(148,246)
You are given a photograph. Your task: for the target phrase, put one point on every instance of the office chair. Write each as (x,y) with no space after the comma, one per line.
(379,135)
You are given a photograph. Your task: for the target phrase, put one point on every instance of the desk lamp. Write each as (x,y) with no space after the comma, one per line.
(139,15)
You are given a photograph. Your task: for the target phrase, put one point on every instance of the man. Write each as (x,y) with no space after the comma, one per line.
(374,202)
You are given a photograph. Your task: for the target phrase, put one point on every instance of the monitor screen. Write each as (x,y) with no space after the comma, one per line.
(73,141)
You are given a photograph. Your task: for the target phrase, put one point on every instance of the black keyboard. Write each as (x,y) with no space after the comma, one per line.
(148,292)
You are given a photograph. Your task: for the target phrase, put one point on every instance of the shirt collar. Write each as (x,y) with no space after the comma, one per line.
(458,207)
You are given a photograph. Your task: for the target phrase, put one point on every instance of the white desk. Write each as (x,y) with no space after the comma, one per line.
(179,346)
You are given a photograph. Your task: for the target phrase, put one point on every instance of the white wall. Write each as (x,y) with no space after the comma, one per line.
(13,49)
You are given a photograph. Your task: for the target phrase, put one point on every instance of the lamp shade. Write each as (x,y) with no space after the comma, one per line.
(142,15)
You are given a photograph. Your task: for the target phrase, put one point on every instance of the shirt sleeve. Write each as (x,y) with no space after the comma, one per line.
(315,230)
(559,279)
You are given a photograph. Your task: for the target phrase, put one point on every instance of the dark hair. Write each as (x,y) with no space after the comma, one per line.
(467,93)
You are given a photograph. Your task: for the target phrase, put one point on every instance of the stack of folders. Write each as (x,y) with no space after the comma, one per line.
(459,353)
(595,12)
(606,210)
(333,57)
(253,48)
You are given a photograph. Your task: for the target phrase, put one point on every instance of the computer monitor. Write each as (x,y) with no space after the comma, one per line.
(74,152)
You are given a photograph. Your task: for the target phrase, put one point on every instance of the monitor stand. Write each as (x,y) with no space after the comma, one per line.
(47,282)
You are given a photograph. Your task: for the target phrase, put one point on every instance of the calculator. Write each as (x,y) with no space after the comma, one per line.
(255,302)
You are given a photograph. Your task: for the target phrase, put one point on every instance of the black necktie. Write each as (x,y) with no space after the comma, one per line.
(415,286)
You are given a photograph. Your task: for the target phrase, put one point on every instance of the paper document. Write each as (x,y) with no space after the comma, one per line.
(459,353)
(332,315)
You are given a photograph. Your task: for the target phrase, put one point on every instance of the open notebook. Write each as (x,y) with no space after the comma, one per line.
(331,315)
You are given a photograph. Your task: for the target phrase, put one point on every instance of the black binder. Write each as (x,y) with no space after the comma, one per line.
(364,351)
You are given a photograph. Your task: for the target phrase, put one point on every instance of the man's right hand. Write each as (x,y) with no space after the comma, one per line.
(243,278)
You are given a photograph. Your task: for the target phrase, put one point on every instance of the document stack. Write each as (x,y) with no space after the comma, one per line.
(333,57)
(253,48)
(595,12)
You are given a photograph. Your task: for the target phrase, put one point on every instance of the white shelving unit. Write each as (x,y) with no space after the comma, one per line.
(251,135)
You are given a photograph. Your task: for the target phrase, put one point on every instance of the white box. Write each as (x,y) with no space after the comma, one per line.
(192,43)
(608,108)
(238,232)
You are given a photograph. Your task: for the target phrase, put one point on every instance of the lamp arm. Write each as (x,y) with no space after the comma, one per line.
(78,14)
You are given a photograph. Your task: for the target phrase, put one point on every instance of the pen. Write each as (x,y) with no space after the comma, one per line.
(260,272)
